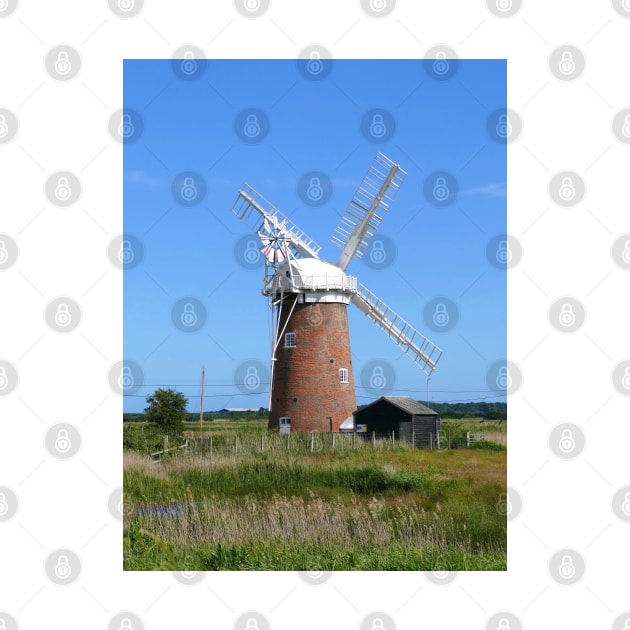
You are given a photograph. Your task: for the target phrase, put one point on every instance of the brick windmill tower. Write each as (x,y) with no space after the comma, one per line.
(312,381)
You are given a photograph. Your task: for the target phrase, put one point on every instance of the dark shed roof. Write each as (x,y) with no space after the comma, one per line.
(406,404)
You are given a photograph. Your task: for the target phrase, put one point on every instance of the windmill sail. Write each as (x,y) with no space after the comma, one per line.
(274,243)
(257,213)
(367,208)
(423,352)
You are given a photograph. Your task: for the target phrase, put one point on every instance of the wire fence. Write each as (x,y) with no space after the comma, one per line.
(242,443)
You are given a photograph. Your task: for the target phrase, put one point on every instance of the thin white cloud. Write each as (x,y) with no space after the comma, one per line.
(487,190)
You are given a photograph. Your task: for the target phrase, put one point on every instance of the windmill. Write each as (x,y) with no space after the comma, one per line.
(312,382)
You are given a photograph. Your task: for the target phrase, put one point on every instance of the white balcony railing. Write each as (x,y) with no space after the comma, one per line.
(325,282)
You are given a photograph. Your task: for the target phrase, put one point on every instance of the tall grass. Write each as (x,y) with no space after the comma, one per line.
(396,509)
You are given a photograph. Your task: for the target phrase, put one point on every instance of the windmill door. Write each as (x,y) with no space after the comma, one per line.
(285,425)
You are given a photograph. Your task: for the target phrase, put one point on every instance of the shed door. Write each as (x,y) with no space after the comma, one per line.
(285,425)
(404,431)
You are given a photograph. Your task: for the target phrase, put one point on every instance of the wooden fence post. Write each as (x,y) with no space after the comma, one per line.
(166,443)
(413,439)
(211,447)
(373,439)
(262,442)
(312,439)
(333,441)
(392,439)
(354,435)
(468,439)
(235,444)
(430,441)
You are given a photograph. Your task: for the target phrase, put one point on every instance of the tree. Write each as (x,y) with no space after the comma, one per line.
(167,409)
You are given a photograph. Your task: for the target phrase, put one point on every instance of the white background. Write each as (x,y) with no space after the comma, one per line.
(566,378)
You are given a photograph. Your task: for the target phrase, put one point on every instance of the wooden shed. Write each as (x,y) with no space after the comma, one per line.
(399,414)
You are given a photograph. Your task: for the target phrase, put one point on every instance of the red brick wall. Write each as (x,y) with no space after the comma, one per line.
(306,384)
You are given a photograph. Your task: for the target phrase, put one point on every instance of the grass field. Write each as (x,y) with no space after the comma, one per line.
(389,508)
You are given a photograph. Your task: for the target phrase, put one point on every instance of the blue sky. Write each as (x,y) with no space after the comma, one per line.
(190,123)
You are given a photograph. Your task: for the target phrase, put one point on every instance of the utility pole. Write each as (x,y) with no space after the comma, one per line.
(203,375)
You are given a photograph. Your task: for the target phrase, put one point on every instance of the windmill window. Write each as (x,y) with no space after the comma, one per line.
(289,340)
(343,375)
